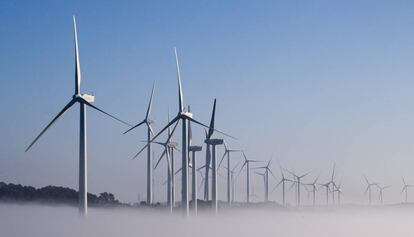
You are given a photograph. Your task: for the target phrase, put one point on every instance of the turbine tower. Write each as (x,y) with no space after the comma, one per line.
(83,100)
(193,150)
(227,152)
(147,121)
(214,195)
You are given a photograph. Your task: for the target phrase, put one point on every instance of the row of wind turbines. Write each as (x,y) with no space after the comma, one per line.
(189,157)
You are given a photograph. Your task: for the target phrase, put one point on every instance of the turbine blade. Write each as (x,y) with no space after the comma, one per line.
(213,115)
(100,110)
(162,155)
(77,64)
(132,128)
(159,133)
(180,93)
(73,101)
(244,164)
(222,158)
(150,102)
(150,128)
(178,171)
(200,168)
(271,172)
(305,174)
(190,131)
(277,185)
(201,124)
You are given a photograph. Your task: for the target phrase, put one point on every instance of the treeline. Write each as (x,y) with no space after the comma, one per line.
(52,194)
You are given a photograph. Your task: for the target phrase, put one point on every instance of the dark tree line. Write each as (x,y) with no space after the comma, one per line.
(52,194)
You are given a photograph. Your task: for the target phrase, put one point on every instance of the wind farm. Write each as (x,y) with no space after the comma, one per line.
(213,119)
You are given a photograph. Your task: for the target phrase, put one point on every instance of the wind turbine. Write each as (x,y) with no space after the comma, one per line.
(147,121)
(184,117)
(267,170)
(298,183)
(227,152)
(169,148)
(314,188)
(405,188)
(326,186)
(381,189)
(283,182)
(339,191)
(369,185)
(264,182)
(209,133)
(247,164)
(83,100)
(332,182)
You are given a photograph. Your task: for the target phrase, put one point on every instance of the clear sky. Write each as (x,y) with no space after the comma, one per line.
(308,83)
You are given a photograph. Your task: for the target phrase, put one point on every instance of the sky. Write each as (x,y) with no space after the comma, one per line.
(304,83)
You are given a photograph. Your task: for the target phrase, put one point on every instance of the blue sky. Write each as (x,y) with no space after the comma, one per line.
(307,83)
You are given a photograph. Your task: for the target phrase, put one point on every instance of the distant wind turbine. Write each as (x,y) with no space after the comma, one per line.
(314,188)
(298,183)
(247,164)
(405,189)
(369,185)
(147,121)
(267,170)
(227,152)
(381,190)
(283,183)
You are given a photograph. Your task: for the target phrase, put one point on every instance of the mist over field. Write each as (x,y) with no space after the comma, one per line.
(41,220)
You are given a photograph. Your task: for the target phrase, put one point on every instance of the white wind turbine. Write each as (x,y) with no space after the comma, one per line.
(283,182)
(405,189)
(207,165)
(381,190)
(314,188)
(298,183)
(369,185)
(266,172)
(147,121)
(83,100)
(184,117)
(169,148)
(247,164)
(227,152)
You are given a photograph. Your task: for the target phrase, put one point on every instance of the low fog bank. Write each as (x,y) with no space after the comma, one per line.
(42,220)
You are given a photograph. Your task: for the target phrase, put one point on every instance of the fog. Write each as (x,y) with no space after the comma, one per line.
(42,220)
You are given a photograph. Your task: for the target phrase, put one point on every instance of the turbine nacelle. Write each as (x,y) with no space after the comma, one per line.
(214,141)
(86,97)
(195,148)
(185,114)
